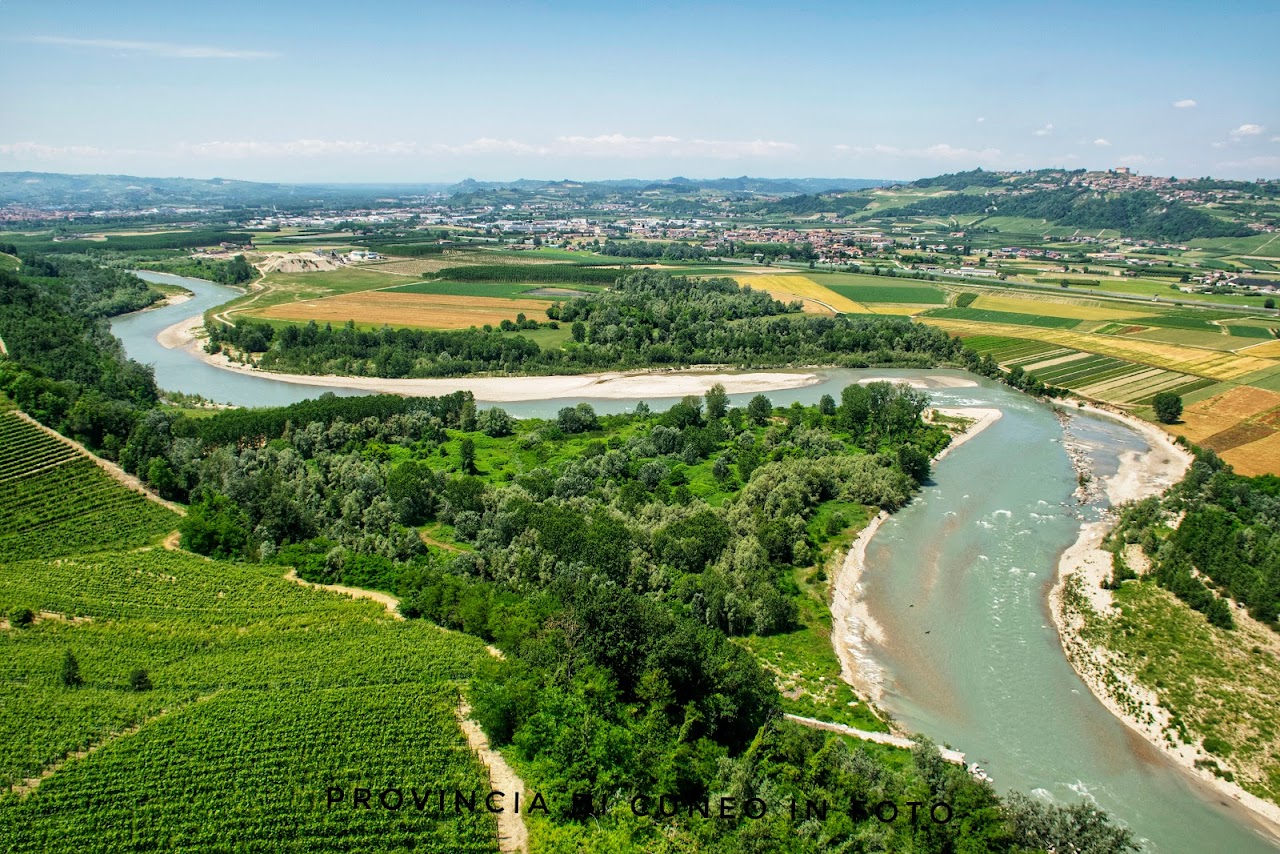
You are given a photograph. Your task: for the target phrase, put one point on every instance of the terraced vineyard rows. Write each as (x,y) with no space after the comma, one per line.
(264,693)
(242,771)
(54,501)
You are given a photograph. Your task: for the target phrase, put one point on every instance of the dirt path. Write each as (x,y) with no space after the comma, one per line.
(440,544)
(513,836)
(119,474)
(948,754)
(391,603)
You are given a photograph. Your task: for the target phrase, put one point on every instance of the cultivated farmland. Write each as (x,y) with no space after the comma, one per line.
(817,299)
(400,309)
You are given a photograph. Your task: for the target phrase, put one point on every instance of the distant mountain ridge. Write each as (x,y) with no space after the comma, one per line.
(91,192)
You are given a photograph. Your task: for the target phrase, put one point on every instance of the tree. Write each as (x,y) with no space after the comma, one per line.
(70,671)
(827,405)
(759,409)
(468,456)
(216,527)
(496,423)
(1168,407)
(579,331)
(914,462)
(21,617)
(139,680)
(1269,303)
(717,402)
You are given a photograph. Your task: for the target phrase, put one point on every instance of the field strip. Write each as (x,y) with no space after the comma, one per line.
(1055,307)
(427,311)
(119,474)
(1188,360)
(1060,360)
(788,287)
(1098,389)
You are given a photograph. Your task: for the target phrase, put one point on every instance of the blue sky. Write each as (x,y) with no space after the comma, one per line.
(325,91)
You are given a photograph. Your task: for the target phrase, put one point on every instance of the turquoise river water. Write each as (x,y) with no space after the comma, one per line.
(958,580)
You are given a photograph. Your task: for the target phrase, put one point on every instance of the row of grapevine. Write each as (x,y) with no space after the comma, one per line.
(54,501)
(24,449)
(249,771)
(196,627)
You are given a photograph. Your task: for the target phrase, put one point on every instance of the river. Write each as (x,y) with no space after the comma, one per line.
(958,580)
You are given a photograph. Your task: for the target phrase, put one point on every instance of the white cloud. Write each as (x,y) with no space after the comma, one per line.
(1246,130)
(240,150)
(939,151)
(180,51)
(37,151)
(981,119)
(1275,139)
(1043,131)
(1103,142)
(1185,104)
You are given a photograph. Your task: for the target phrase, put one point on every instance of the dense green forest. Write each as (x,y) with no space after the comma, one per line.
(649,318)
(1225,545)
(611,559)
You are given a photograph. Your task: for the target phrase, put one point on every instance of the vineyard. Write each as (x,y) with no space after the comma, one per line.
(262,694)
(54,501)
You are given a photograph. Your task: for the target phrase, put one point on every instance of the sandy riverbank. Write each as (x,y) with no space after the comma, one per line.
(618,385)
(853,628)
(1110,680)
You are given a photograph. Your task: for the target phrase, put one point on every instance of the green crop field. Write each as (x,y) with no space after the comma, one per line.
(883,291)
(987,316)
(263,693)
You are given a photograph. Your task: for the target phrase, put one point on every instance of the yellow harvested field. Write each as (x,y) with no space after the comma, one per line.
(899,308)
(1237,404)
(816,298)
(1255,458)
(1270,349)
(1222,412)
(426,311)
(1055,308)
(1188,360)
